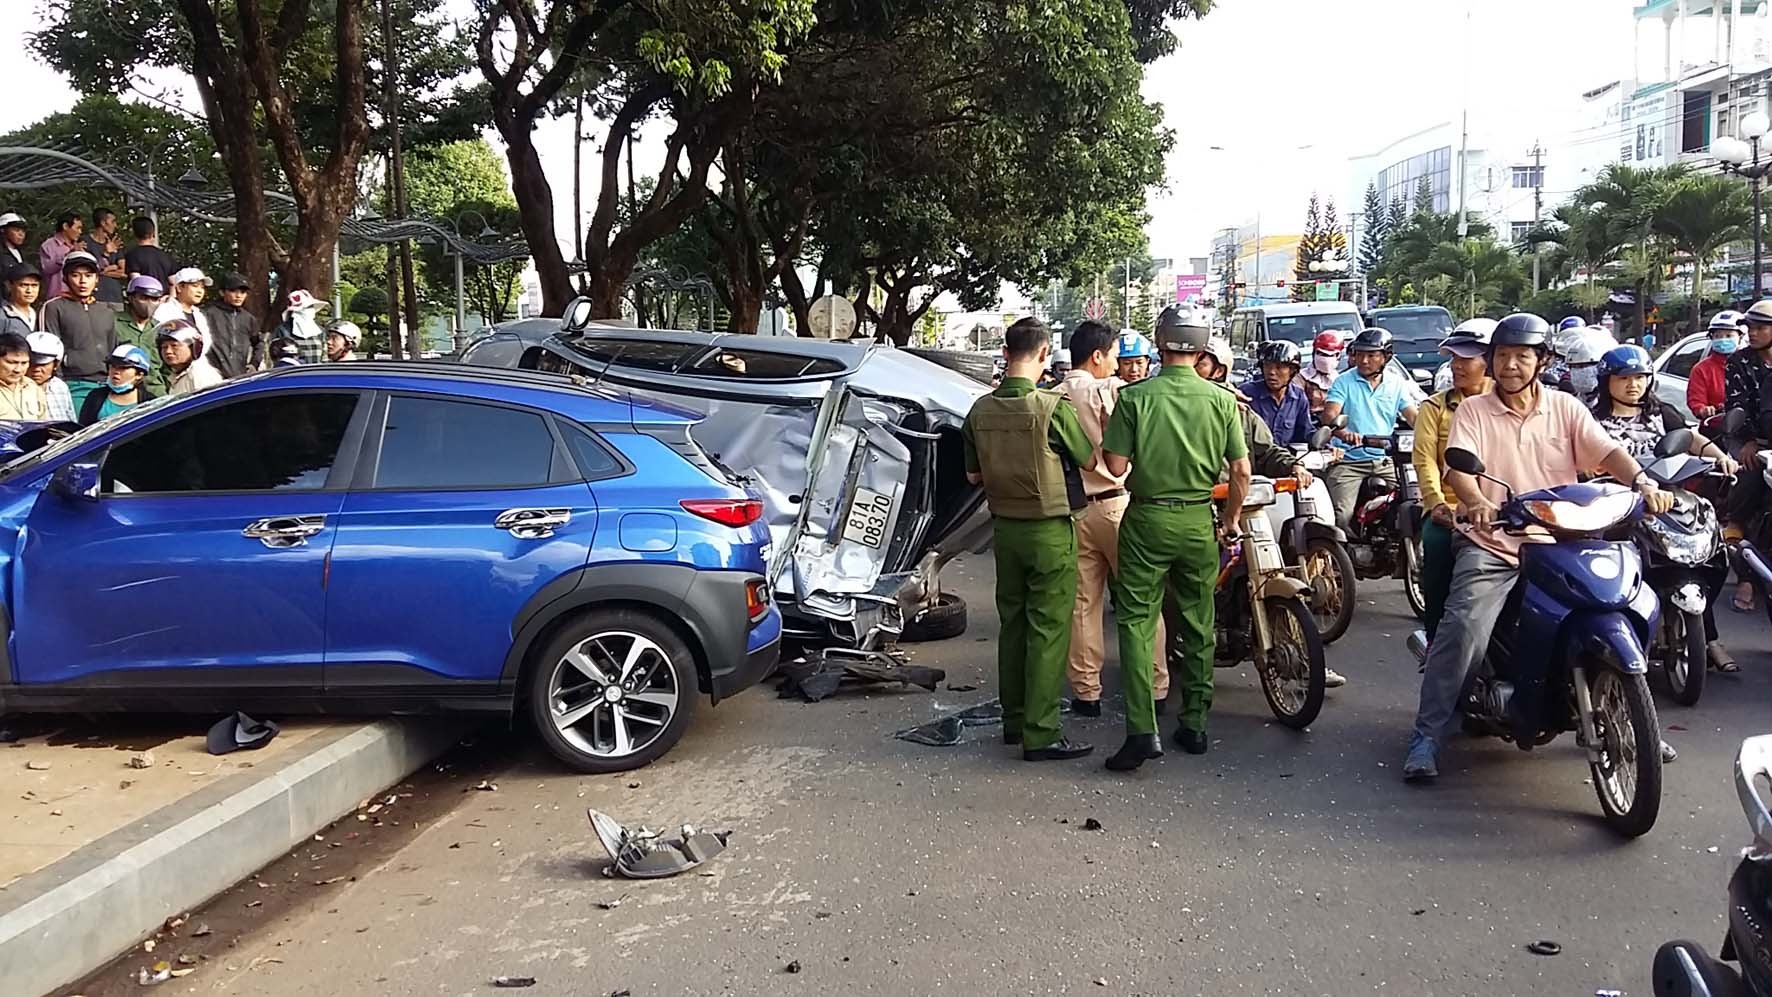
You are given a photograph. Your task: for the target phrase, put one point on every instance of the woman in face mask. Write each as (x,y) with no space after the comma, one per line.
(124,370)
(1583,378)
(1325,365)
(1704,386)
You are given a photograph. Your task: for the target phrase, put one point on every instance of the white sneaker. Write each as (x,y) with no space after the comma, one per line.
(1333,679)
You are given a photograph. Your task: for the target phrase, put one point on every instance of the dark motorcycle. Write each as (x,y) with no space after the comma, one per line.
(1683,968)
(1684,561)
(1753,553)
(1384,533)
(1567,651)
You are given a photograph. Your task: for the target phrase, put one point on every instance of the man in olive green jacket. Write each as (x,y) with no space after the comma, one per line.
(1025,446)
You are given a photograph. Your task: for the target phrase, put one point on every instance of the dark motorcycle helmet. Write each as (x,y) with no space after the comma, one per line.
(1278,351)
(1521,329)
(1372,341)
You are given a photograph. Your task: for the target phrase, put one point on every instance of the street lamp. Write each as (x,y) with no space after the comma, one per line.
(461,308)
(1743,159)
(191,177)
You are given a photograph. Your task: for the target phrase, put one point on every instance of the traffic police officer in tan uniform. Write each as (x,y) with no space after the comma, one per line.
(1175,432)
(1025,446)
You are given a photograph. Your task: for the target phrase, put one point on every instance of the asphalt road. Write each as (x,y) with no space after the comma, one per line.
(1280,863)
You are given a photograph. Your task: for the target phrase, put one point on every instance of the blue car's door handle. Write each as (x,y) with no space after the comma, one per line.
(532,524)
(284,531)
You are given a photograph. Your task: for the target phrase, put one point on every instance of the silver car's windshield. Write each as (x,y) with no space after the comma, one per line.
(74,441)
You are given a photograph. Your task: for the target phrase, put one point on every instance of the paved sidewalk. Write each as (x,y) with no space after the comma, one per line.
(95,853)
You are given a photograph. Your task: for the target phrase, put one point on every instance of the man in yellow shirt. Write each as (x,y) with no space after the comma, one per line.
(1467,346)
(21,399)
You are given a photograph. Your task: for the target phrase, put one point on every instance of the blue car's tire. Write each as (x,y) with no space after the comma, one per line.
(613,690)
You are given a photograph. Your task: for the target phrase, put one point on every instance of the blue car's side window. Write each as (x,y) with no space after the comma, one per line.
(439,443)
(266,443)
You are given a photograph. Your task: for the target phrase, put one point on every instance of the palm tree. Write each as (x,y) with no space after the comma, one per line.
(1700,215)
(1623,201)
(1584,236)
(1481,271)
(1408,250)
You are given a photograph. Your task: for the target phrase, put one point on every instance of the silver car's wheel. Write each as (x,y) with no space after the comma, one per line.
(613,692)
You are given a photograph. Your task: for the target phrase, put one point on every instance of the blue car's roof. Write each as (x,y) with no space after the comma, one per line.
(574,397)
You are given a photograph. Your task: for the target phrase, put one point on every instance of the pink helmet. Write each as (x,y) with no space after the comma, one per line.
(1327,342)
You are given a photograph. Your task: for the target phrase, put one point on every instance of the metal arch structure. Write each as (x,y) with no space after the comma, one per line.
(669,280)
(35,167)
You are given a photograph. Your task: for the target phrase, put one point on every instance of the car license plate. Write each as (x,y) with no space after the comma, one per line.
(868,516)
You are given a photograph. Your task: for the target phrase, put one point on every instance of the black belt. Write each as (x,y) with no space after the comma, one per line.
(1111,493)
(1172,502)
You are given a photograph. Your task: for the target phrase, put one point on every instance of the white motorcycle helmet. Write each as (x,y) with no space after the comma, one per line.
(352,335)
(1588,345)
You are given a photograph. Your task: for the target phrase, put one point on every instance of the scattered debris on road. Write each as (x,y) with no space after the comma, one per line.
(482,786)
(822,673)
(201,931)
(951,687)
(794,967)
(513,982)
(1545,947)
(141,760)
(943,733)
(239,732)
(1091,824)
(641,853)
(37,766)
(612,904)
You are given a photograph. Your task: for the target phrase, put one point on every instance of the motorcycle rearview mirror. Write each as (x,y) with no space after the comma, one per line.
(1460,459)
(1677,442)
(1321,437)
(1339,422)
(1735,423)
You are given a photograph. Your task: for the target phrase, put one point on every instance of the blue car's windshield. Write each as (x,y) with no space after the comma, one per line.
(74,441)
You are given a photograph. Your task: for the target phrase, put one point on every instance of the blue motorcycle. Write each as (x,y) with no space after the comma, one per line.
(1567,652)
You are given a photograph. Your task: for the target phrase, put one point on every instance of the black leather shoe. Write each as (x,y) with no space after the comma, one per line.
(1086,707)
(1138,749)
(1057,752)
(1162,706)
(1012,737)
(1194,742)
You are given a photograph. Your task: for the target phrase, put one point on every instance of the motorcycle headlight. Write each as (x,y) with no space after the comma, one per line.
(1608,510)
(1688,546)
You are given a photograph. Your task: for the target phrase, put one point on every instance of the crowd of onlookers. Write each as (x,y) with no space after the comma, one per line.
(89,327)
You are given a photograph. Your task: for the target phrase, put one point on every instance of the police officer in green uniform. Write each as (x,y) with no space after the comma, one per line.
(1025,446)
(1176,432)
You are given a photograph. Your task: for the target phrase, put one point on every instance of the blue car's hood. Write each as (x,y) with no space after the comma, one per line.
(9,433)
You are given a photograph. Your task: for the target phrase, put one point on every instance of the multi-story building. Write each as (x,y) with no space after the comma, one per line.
(1258,259)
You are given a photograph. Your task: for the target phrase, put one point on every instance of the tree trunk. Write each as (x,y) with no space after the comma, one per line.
(1697,295)
(747,307)
(535,216)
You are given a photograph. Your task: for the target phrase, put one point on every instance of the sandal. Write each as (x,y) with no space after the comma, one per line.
(1738,606)
(1720,660)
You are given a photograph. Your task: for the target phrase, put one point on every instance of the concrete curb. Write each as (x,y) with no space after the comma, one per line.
(64,921)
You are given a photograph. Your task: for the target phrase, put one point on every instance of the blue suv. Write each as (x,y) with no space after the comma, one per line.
(387,538)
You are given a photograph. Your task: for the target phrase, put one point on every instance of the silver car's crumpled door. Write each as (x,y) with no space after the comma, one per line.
(853,511)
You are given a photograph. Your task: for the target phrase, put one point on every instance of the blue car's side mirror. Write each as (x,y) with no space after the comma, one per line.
(78,480)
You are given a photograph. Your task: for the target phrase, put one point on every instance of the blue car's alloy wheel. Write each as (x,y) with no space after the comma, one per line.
(613,691)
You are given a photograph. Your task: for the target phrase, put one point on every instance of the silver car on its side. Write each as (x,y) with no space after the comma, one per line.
(853,447)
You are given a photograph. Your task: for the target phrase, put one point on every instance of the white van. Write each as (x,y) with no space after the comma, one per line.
(1297,322)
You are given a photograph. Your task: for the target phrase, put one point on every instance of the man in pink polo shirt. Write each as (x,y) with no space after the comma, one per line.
(1530,437)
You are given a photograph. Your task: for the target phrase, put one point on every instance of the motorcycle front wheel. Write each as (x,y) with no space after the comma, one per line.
(1685,657)
(1291,669)
(1412,589)
(1627,778)
(1331,573)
